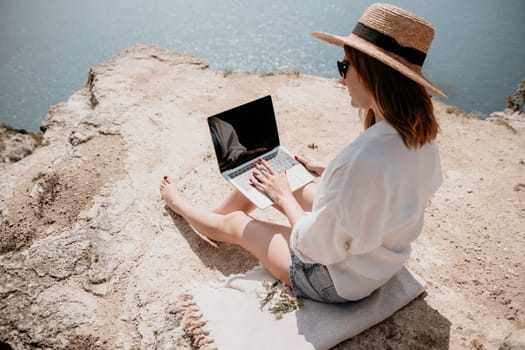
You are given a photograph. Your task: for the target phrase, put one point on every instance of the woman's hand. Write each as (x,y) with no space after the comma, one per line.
(313,165)
(275,185)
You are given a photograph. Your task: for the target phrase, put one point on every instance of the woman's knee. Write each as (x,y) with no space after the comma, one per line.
(234,224)
(305,195)
(235,201)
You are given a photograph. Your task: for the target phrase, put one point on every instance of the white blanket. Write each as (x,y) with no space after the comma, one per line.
(228,315)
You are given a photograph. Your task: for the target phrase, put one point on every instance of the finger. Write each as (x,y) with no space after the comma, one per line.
(267,166)
(300,159)
(257,184)
(262,170)
(255,176)
(260,178)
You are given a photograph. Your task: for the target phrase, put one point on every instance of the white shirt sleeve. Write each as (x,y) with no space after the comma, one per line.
(310,240)
(348,214)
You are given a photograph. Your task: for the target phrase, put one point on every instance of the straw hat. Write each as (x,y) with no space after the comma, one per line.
(393,36)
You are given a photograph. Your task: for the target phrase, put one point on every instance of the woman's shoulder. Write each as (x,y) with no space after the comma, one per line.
(369,149)
(354,160)
(371,152)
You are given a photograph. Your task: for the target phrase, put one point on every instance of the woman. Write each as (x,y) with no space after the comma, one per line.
(351,232)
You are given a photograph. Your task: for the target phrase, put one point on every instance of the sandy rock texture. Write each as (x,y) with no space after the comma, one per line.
(16,144)
(91,259)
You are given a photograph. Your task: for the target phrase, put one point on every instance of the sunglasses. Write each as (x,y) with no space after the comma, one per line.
(343,67)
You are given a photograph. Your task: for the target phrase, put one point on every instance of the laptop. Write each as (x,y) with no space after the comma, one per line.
(244,134)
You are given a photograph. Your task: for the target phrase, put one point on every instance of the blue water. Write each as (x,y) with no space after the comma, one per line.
(47,47)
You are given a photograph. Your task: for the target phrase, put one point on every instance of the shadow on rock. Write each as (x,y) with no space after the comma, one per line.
(224,257)
(5,346)
(416,326)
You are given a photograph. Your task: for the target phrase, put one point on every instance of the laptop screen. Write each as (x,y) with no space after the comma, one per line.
(244,132)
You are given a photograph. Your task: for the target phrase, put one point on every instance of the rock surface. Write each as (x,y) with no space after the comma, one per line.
(16,144)
(91,259)
(514,120)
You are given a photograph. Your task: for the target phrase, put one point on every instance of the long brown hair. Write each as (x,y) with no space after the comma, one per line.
(405,104)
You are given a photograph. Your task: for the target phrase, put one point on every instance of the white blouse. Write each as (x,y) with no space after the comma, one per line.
(368,209)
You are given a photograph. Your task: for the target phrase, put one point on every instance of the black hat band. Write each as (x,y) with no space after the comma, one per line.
(389,44)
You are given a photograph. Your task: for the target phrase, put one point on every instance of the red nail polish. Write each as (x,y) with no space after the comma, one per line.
(165,177)
(255,164)
(296,158)
(260,160)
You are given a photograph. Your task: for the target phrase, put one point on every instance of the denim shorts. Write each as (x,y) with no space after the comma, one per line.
(312,281)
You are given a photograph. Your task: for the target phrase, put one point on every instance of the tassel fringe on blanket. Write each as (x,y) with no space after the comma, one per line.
(194,325)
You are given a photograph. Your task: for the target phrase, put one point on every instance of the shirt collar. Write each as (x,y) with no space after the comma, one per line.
(382,127)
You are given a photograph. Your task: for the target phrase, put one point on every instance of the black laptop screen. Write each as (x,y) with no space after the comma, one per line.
(244,132)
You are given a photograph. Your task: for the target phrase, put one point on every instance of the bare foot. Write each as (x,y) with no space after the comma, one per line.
(169,193)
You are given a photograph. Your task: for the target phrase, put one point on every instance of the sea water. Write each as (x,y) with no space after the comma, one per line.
(47,47)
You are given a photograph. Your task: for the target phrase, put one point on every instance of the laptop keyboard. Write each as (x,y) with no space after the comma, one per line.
(279,161)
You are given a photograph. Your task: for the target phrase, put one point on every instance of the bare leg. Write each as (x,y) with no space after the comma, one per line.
(234,202)
(266,241)
(305,195)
